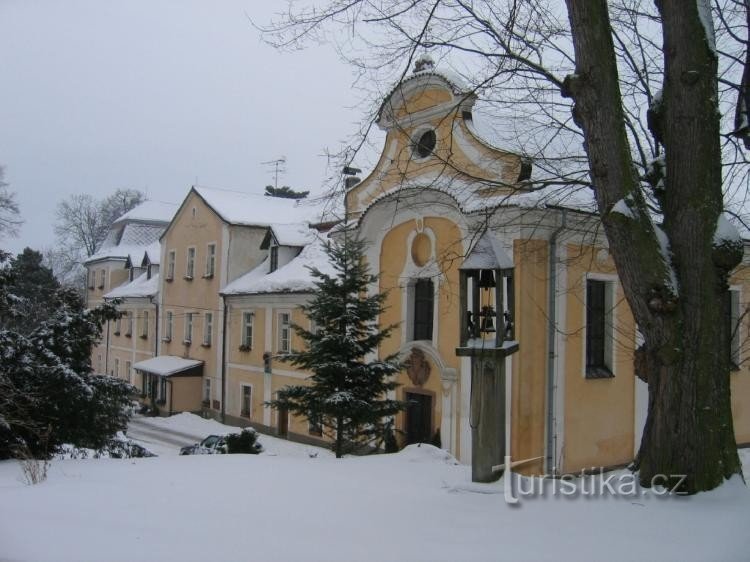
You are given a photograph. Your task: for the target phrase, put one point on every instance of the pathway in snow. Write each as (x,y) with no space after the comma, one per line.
(159,439)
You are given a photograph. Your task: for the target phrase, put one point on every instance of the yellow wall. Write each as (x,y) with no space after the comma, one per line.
(197,295)
(529,376)
(599,413)
(186,394)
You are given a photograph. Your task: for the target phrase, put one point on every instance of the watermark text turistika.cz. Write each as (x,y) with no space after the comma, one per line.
(589,484)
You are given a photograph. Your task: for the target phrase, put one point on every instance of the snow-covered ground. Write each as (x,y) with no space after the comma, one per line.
(288,504)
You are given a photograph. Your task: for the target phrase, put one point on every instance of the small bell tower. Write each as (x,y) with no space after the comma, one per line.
(487,336)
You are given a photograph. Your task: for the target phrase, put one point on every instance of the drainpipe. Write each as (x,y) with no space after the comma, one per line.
(551,345)
(156,325)
(224,359)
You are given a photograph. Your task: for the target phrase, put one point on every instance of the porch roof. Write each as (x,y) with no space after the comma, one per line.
(170,366)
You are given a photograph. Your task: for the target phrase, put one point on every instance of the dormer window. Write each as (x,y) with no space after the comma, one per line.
(274,259)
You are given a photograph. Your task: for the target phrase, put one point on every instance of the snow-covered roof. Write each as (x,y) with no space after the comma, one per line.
(467,194)
(150,211)
(487,253)
(250,209)
(297,235)
(141,286)
(168,365)
(294,277)
(130,240)
(153,253)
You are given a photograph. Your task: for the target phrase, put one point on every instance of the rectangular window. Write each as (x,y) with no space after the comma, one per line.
(284,333)
(171,257)
(247,331)
(424,295)
(168,324)
(128,368)
(144,325)
(118,325)
(247,395)
(117,367)
(274,258)
(206,392)
(190,266)
(92,278)
(188,327)
(208,328)
(162,396)
(733,320)
(598,329)
(129,324)
(102,277)
(210,260)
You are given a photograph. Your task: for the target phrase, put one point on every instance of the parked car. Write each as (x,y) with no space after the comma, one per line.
(211,445)
(245,442)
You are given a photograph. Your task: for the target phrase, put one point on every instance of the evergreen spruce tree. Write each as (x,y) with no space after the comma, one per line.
(49,394)
(285,192)
(348,393)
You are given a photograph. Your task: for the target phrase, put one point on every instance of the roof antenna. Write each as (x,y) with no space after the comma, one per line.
(278,166)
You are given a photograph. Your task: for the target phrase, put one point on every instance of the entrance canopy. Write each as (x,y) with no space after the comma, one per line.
(170,366)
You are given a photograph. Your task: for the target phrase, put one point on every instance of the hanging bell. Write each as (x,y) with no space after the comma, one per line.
(488,320)
(486,279)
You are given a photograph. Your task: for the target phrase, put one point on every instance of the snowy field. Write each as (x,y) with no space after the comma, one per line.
(296,502)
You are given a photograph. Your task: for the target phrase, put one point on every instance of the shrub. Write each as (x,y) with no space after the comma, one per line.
(243,443)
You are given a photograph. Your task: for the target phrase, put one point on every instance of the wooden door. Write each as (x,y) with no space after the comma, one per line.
(418,418)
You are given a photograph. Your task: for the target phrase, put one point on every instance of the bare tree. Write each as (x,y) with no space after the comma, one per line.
(9,213)
(81,227)
(623,99)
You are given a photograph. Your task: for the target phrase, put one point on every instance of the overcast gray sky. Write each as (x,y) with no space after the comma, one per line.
(154,94)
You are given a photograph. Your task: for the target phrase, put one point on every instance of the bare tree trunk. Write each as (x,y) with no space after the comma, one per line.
(689,427)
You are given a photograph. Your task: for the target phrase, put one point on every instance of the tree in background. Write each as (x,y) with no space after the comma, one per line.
(347,395)
(82,223)
(9,213)
(646,105)
(35,290)
(50,394)
(285,192)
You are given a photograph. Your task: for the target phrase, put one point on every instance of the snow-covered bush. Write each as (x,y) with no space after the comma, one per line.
(243,443)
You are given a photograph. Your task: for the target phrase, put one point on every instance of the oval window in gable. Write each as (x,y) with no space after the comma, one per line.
(425,144)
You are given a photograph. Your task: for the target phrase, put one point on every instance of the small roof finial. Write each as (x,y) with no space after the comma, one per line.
(424,62)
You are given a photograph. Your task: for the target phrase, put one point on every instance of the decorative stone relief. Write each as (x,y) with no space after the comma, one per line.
(417,367)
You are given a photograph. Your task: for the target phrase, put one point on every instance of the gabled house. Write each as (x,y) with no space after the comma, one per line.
(262,306)
(214,238)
